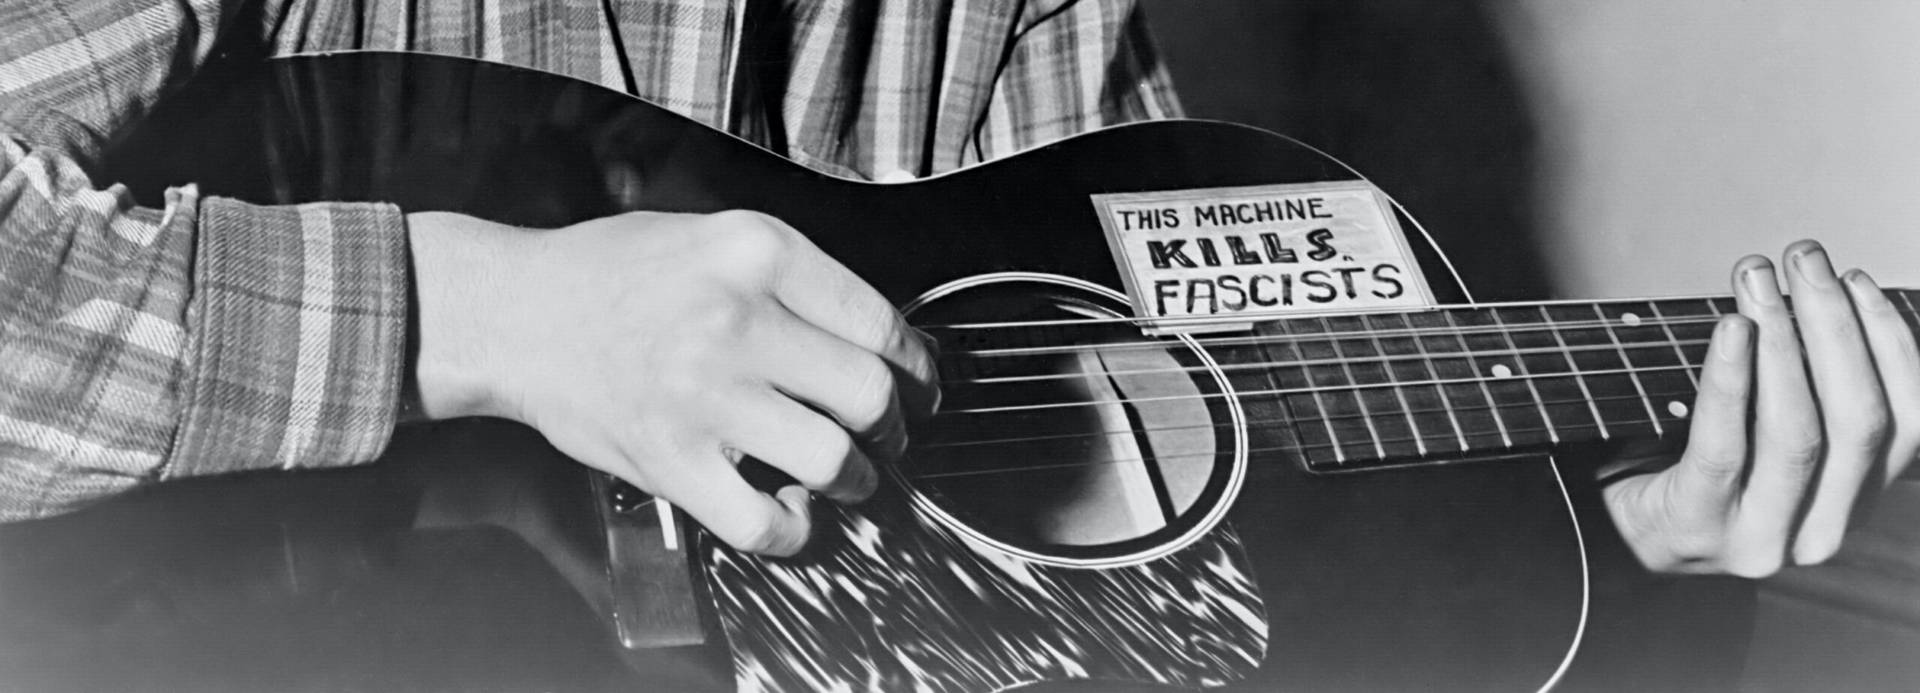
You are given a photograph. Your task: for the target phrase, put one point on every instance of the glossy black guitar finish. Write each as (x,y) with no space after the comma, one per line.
(1467,576)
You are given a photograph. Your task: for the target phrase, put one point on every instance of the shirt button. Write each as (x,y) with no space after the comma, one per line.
(898,175)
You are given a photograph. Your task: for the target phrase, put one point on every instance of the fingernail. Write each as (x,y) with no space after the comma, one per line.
(933,367)
(1867,293)
(869,482)
(933,345)
(1761,285)
(1814,267)
(798,499)
(895,445)
(1735,333)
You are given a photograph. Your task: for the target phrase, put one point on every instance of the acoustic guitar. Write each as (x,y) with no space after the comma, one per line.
(1357,491)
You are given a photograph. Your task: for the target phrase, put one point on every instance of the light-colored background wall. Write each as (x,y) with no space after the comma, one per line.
(1616,148)
(1677,134)
(1595,148)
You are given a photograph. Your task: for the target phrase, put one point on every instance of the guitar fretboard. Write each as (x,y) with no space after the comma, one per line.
(1428,386)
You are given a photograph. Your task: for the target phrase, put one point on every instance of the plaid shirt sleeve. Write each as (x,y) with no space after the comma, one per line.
(139,344)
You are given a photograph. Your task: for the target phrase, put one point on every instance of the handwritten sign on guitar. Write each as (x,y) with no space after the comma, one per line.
(1220,259)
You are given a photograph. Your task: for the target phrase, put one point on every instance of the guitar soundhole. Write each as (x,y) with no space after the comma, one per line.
(1065,434)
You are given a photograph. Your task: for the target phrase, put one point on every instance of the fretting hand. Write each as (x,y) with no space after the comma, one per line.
(1801,416)
(661,348)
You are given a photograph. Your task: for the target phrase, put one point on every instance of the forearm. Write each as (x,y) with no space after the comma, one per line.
(209,336)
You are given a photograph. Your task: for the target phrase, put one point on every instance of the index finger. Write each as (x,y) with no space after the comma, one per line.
(824,292)
(1711,470)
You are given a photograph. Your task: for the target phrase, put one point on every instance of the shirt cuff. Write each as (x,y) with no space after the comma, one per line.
(297,337)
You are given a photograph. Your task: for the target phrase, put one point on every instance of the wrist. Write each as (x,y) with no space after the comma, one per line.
(458,266)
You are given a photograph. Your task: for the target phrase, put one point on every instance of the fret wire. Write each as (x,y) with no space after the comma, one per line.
(1675,338)
(1373,431)
(1625,360)
(1603,353)
(1320,403)
(1499,421)
(1406,408)
(1553,432)
(1566,351)
(1436,343)
(1446,400)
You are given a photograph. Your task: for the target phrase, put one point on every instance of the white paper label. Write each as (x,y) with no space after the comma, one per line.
(1225,258)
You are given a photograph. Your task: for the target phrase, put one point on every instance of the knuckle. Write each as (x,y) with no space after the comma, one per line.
(1721,468)
(1694,547)
(824,460)
(741,220)
(683,385)
(760,533)
(872,394)
(1726,389)
(1817,547)
(748,239)
(1723,471)
(1756,564)
(1667,534)
(1695,544)
(1863,432)
(1801,444)
(875,323)
(682,374)
(722,321)
(762,528)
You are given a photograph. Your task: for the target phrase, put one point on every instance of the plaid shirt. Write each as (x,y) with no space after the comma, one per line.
(211,336)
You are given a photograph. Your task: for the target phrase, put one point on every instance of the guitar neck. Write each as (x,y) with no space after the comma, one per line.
(1436,385)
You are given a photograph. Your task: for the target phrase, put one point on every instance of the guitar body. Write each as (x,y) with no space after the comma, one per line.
(1467,576)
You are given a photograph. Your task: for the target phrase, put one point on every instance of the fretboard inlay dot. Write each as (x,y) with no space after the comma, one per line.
(1630,319)
(1500,370)
(1677,408)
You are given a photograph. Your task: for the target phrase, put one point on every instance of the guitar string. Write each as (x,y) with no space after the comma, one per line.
(1458,331)
(1492,410)
(1368,359)
(1303,449)
(1713,302)
(1658,319)
(1418,439)
(1451,434)
(1122,460)
(1579,323)
(1336,388)
(1331,446)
